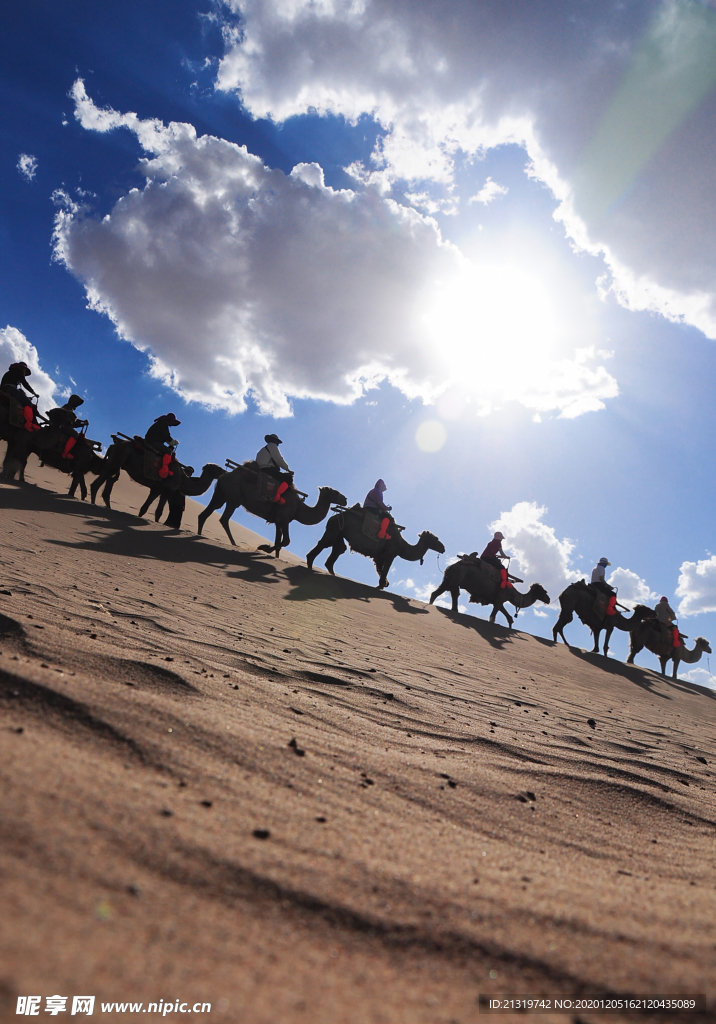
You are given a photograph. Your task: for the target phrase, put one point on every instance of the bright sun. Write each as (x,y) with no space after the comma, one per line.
(496,329)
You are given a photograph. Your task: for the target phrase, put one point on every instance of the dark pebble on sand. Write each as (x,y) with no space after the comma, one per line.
(452,784)
(296,711)
(133,890)
(702,760)
(93,636)
(206,803)
(18,730)
(169,659)
(7,593)
(320,818)
(591,723)
(286,650)
(295,747)
(166,813)
(530,795)
(261,833)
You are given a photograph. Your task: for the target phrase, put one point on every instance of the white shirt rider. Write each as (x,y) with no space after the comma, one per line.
(270,457)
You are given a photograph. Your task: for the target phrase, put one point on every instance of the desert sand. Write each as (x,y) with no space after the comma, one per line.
(228,779)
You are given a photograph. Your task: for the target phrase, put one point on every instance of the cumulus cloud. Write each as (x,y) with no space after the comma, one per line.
(700,676)
(538,555)
(632,589)
(613,104)
(239,280)
(15,348)
(27,166)
(697,587)
(489,191)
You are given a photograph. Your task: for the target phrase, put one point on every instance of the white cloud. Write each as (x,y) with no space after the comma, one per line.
(539,556)
(613,104)
(27,166)
(489,191)
(239,280)
(700,676)
(15,348)
(632,588)
(697,587)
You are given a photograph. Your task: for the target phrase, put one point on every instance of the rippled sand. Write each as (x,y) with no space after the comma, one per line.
(228,779)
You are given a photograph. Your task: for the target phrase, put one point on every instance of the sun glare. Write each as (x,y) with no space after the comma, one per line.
(496,329)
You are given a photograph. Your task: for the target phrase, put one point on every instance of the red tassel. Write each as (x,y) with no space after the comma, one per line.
(383,534)
(611,609)
(29,414)
(505,582)
(69,445)
(676,639)
(281,488)
(165,471)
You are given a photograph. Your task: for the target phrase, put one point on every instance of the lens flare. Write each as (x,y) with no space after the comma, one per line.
(430,436)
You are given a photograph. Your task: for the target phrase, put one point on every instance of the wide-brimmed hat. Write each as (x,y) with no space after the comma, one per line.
(171,419)
(604,561)
(272,439)
(499,536)
(75,400)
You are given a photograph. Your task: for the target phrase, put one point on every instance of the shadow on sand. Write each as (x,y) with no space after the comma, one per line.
(309,585)
(645,678)
(124,534)
(497,636)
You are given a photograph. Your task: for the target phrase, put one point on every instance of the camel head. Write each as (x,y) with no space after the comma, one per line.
(432,542)
(703,645)
(642,611)
(540,592)
(335,497)
(212,470)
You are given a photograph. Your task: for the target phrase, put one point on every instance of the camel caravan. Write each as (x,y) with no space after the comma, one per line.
(264,486)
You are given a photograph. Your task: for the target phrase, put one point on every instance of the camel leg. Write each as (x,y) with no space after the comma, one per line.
(314,553)
(383,572)
(153,494)
(565,617)
(674,674)
(177,504)
(596,633)
(226,516)
(277,545)
(338,549)
(607,636)
(634,649)
(214,504)
(442,589)
(161,505)
(498,606)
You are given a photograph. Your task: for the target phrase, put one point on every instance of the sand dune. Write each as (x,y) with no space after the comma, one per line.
(227,779)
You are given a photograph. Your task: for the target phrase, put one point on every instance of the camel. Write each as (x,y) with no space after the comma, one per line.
(649,635)
(85,460)
(18,442)
(347,526)
(239,488)
(127,456)
(484,588)
(580,598)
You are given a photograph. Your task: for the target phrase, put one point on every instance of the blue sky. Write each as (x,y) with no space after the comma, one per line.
(512,240)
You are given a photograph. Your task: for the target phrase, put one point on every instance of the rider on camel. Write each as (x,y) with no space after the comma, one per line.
(270,460)
(666,617)
(493,551)
(14,378)
(160,440)
(67,420)
(599,583)
(374,502)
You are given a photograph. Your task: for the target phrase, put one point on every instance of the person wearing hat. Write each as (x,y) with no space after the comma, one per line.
(14,378)
(270,459)
(493,551)
(598,580)
(162,442)
(68,421)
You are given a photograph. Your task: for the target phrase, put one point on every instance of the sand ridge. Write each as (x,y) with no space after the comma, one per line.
(447,808)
